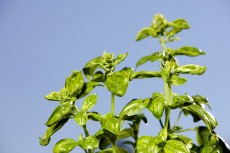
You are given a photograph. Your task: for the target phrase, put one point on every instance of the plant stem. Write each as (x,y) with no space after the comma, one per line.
(87,134)
(114,147)
(186,130)
(167,92)
(112,103)
(177,120)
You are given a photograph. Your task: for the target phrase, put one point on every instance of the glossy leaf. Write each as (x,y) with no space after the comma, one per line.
(62,95)
(145,32)
(175,146)
(208,118)
(110,123)
(145,74)
(179,24)
(89,102)
(120,58)
(162,136)
(134,107)
(74,83)
(64,146)
(177,80)
(180,100)
(90,142)
(118,82)
(110,150)
(187,141)
(81,118)
(191,69)
(157,105)
(92,65)
(51,130)
(153,57)
(95,116)
(201,100)
(59,113)
(187,51)
(146,144)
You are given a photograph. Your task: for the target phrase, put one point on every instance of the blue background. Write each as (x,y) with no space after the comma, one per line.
(42,41)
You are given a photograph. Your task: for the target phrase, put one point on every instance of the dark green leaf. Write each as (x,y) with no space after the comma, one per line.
(89,102)
(120,58)
(118,82)
(134,107)
(177,80)
(157,105)
(87,88)
(191,69)
(187,51)
(146,144)
(64,146)
(145,74)
(110,150)
(175,146)
(81,118)
(74,83)
(51,130)
(59,113)
(92,65)
(90,142)
(153,57)
(208,118)
(95,116)
(145,32)
(180,100)
(179,24)
(98,77)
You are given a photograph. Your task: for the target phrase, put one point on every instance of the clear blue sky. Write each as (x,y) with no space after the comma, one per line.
(42,41)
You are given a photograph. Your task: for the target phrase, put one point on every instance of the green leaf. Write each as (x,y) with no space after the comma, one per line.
(175,146)
(92,65)
(110,150)
(145,74)
(179,24)
(157,105)
(173,32)
(187,141)
(87,88)
(162,136)
(146,144)
(64,146)
(117,82)
(145,32)
(95,116)
(153,57)
(120,58)
(51,130)
(177,80)
(81,118)
(74,83)
(54,96)
(203,135)
(180,100)
(90,142)
(208,118)
(62,95)
(59,113)
(110,123)
(187,51)
(134,107)
(89,102)
(191,69)
(200,100)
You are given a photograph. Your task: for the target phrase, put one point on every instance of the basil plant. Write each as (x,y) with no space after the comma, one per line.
(101,71)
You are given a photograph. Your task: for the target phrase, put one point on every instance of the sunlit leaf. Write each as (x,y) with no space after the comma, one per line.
(179,24)
(81,118)
(175,146)
(89,102)
(187,51)
(177,80)
(90,142)
(187,141)
(110,150)
(120,58)
(157,105)
(64,146)
(208,118)
(146,144)
(111,123)
(153,57)
(191,69)
(134,107)
(145,32)
(145,74)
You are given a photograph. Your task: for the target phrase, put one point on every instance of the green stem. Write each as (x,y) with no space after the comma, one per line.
(114,147)
(87,134)
(112,103)
(168,93)
(186,130)
(177,120)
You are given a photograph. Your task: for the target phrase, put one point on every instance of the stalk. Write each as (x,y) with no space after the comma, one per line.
(168,93)
(87,134)
(112,103)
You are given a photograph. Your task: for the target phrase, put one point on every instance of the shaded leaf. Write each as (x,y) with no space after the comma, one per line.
(92,65)
(95,116)
(87,88)
(64,146)
(208,118)
(157,105)
(145,74)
